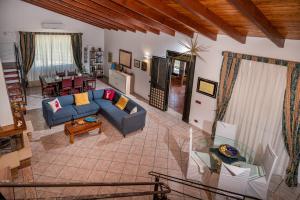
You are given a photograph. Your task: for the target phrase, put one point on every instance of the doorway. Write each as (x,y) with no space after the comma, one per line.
(179,72)
(161,75)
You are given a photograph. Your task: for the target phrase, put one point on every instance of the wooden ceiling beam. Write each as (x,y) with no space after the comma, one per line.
(103,12)
(249,10)
(149,13)
(117,16)
(72,6)
(58,7)
(135,16)
(181,18)
(199,10)
(74,16)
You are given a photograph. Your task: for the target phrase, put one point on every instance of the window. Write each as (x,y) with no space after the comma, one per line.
(176,68)
(52,53)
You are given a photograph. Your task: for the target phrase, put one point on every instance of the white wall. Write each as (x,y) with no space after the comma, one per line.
(139,44)
(6,117)
(16,15)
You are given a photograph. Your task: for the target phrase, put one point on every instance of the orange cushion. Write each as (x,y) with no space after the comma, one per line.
(121,104)
(81,99)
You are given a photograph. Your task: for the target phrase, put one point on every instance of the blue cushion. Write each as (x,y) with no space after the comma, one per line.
(91,107)
(66,100)
(98,94)
(65,112)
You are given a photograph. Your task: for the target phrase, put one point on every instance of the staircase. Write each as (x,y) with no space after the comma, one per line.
(13,83)
(14,79)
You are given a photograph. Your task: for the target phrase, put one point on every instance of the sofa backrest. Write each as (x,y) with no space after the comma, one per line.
(98,94)
(69,99)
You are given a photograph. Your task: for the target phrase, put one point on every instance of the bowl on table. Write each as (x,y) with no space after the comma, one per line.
(228,151)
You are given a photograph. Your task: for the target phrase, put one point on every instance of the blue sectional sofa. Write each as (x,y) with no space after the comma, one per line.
(122,120)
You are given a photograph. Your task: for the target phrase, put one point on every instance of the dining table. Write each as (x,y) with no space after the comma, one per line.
(56,81)
(207,150)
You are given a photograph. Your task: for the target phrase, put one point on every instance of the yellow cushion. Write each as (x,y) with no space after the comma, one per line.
(121,104)
(81,99)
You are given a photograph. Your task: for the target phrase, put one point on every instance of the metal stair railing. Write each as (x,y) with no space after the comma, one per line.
(159,193)
(20,70)
(208,189)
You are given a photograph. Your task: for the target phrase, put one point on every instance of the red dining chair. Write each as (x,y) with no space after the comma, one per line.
(90,84)
(78,84)
(47,90)
(66,87)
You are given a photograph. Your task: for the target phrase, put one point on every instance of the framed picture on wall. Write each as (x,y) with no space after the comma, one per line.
(207,87)
(125,58)
(137,63)
(144,66)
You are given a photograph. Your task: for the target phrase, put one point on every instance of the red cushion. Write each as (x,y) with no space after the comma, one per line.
(109,94)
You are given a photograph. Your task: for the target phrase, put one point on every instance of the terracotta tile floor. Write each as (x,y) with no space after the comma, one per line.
(162,146)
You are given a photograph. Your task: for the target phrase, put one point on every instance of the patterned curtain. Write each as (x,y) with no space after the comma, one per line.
(291,122)
(228,74)
(27,47)
(76,40)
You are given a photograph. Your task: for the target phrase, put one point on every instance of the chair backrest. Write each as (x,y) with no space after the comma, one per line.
(234,183)
(60,74)
(269,162)
(66,83)
(78,81)
(71,73)
(226,130)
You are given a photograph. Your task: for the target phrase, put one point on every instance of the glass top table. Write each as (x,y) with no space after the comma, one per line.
(206,150)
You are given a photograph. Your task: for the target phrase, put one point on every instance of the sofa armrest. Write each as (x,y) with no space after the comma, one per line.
(47,112)
(134,121)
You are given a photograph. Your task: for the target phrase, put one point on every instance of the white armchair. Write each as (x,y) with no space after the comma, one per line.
(233,179)
(259,187)
(196,168)
(227,131)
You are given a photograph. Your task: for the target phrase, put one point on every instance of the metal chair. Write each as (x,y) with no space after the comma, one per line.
(66,87)
(78,85)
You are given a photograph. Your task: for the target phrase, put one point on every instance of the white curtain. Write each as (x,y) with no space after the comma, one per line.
(256,107)
(52,53)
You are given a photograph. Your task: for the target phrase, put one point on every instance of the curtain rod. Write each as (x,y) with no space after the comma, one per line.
(259,58)
(50,33)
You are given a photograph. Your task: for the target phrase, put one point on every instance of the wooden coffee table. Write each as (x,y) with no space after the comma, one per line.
(78,129)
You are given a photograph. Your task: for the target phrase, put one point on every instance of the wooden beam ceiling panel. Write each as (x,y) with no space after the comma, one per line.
(70,5)
(72,15)
(136,16)
(58,7)
(248,9)
(120,16)
(148,12)
(181,18)
(103,12)
(200,11)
